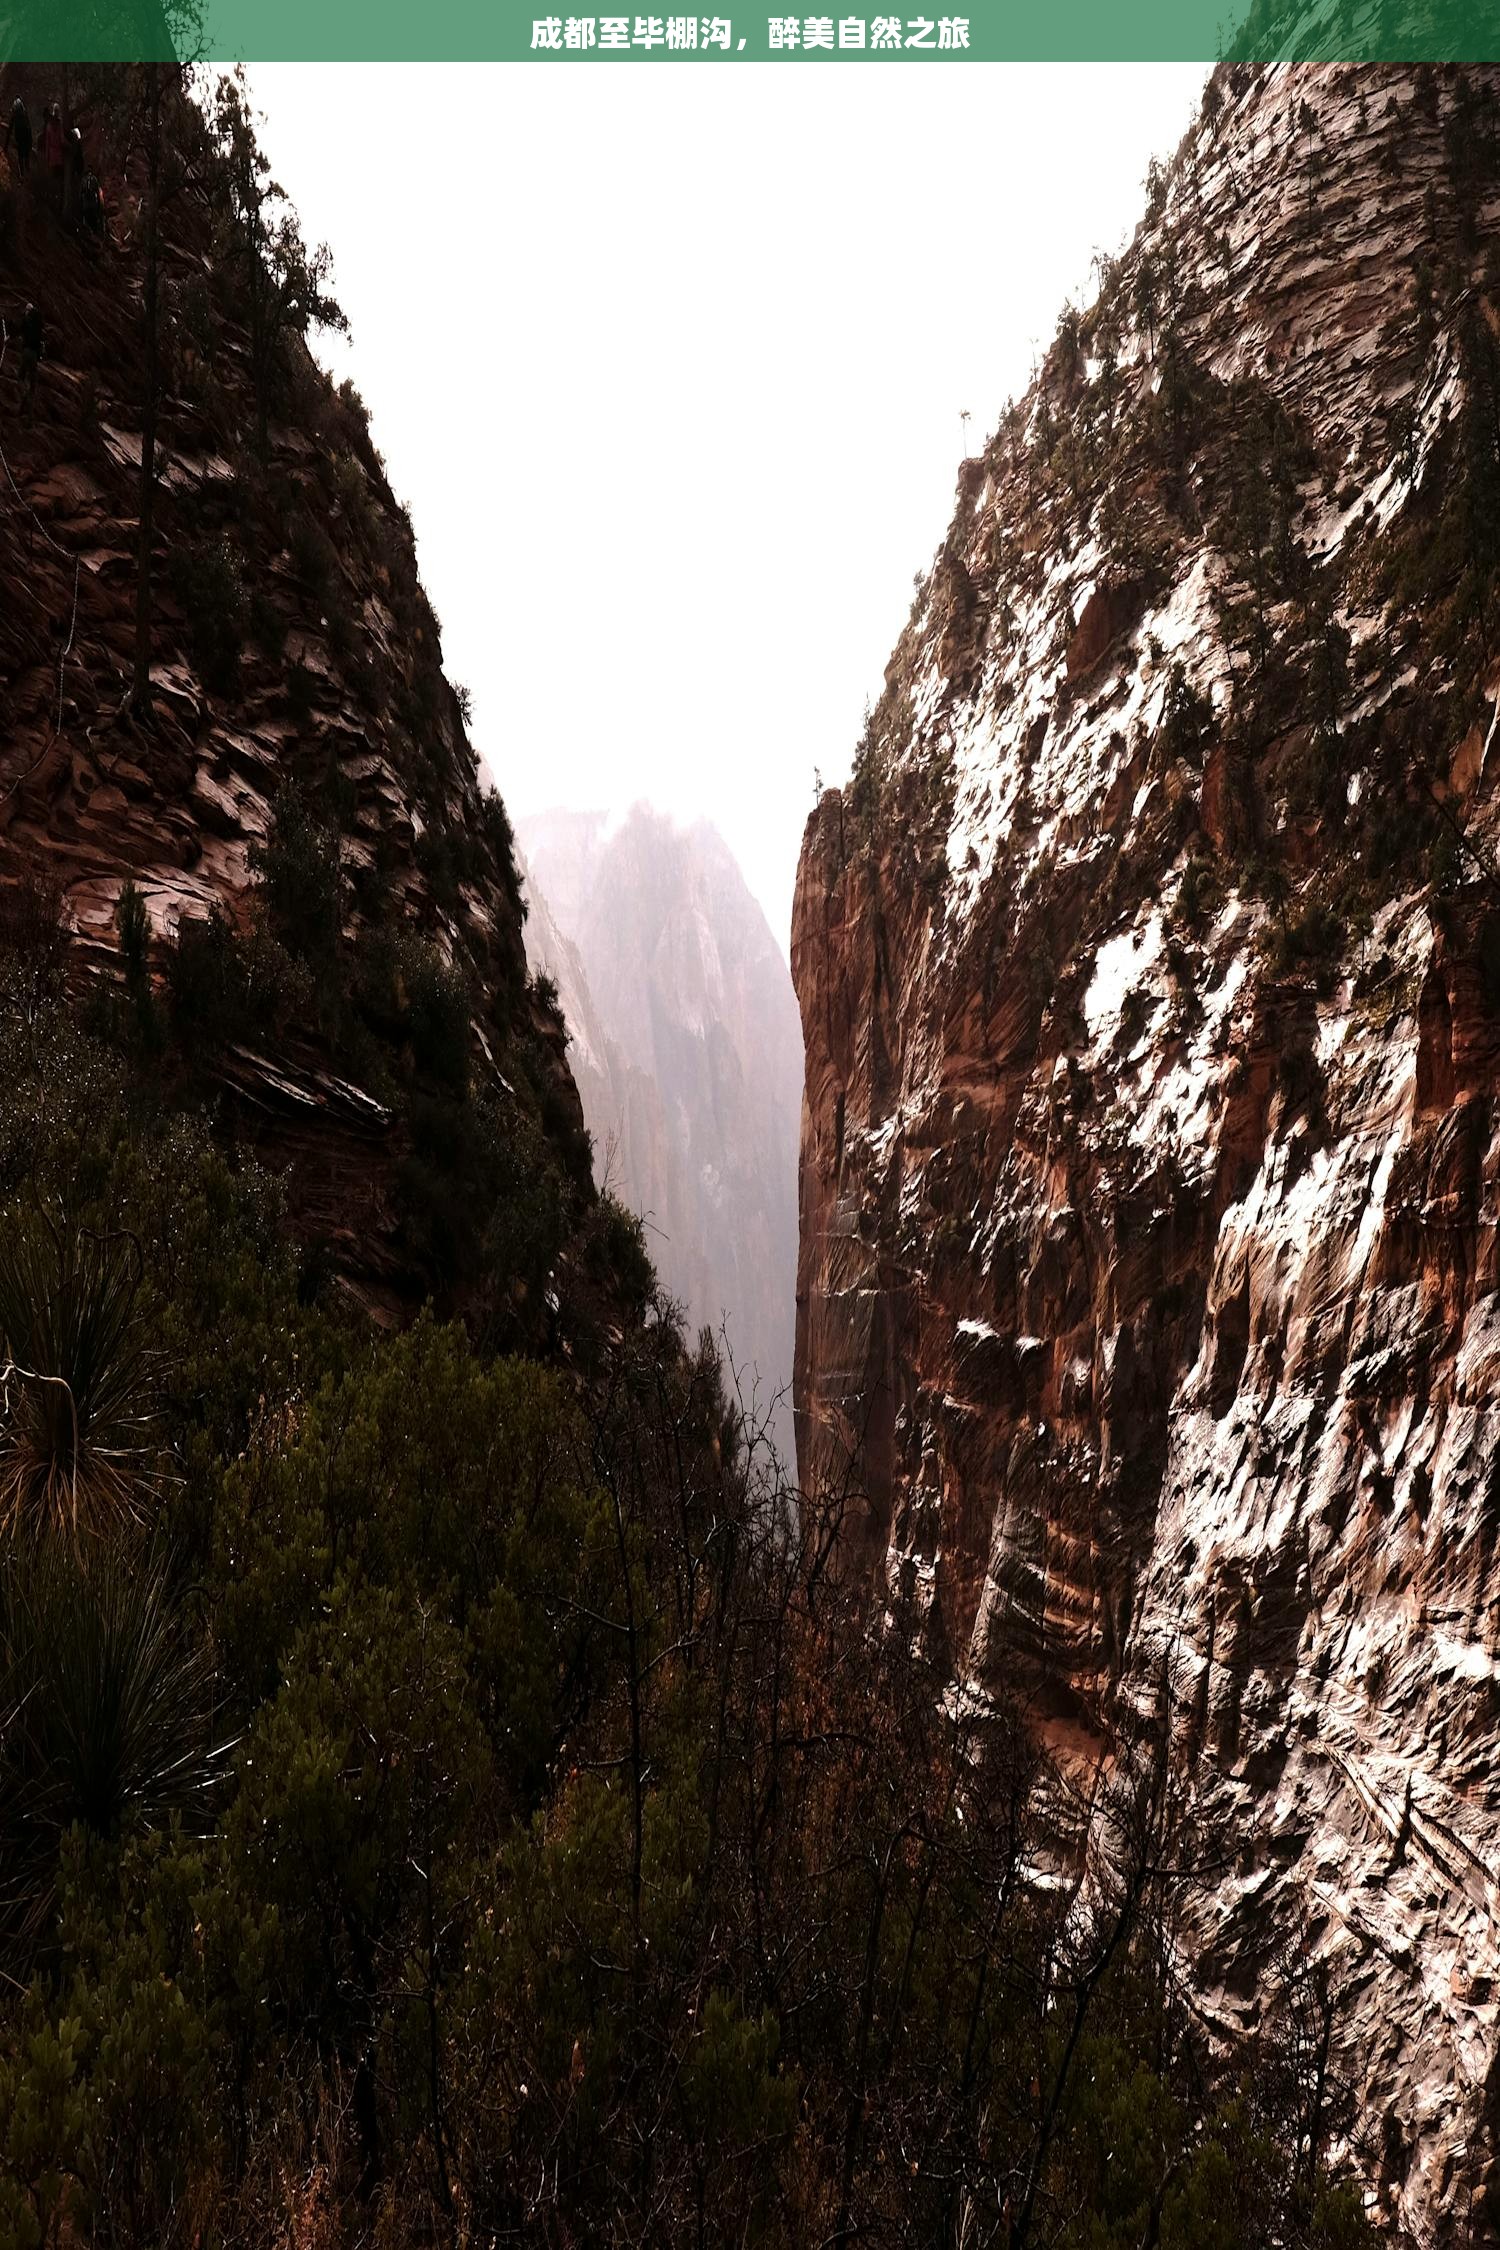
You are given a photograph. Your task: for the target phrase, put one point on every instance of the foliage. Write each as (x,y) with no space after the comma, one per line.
(582,1868)
(75,1424)
(299,865)
(34,942)
(112,1698)
(209,583)
(223,988)
(420,1001)
(285,286)
(133,924)
(1187,719)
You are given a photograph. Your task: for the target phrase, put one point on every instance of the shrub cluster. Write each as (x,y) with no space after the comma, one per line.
(460,1796)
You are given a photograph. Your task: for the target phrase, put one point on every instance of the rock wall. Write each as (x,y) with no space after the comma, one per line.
(1149,970)
(685,1047)
(293,648)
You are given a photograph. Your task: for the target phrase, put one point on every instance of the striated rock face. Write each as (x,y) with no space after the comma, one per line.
(685,1048)
(293,649)
(1149,971)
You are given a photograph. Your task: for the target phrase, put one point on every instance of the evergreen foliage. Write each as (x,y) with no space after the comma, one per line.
(459,1797)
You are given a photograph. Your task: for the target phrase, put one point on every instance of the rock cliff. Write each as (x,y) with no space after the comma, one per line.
(685,1048)
(294,659)
(1149,969)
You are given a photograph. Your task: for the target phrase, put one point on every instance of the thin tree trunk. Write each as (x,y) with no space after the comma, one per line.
(140,690)
(854,2123)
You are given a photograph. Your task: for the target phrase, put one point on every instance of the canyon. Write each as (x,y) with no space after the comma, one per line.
(1147,1290)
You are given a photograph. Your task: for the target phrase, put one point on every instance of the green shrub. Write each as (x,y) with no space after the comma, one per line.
(268,626)
(313,552)
(133,924)
(208,581)
(222,988)
(412,997)
(437,1015)
(76,1439)
(1310,936)
(35,943)
(206,979)
(1187,721)
(441,864)
(114,1696)
(301,693)
(300,868)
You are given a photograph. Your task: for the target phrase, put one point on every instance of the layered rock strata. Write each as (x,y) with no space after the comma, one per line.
(1149,970)
(293,651)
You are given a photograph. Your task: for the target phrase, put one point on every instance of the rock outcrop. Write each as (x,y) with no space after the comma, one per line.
(685,1048)
(293,652)
(1149,970)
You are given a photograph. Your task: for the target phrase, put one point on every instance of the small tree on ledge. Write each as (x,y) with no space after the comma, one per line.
(285,285)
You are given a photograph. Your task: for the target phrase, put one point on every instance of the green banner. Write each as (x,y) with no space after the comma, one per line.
(570,39)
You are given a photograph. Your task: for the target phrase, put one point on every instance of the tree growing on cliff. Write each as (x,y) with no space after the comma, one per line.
(158,82)
(1480,360)
(285,286)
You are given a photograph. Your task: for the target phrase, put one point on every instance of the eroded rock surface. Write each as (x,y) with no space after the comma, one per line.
(315,666)
(1150,982)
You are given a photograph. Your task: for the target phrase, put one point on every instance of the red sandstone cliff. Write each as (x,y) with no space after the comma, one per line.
(1149,971)
(293,649)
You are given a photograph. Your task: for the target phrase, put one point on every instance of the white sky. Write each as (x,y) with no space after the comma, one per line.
(668,364)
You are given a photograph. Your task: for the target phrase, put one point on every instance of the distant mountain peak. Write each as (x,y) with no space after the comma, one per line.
(686,1049)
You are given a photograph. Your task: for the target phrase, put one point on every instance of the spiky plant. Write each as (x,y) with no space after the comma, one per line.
(76,1432)
(106,1713)
(34,943)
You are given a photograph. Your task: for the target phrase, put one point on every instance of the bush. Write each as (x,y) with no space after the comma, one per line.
(206,980)
(1311,937)
(413,997)
(76,1441)
(437,1016)
(114,1699)
(313,553)
(301,693)
(442,865)
(208,581)
(222,988)
(133,924)
(300,867)
(351,489)
(586,1868)
(35,941)
(267,626)
(1187,721)
(1199,894)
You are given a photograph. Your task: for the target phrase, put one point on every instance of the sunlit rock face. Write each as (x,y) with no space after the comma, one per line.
(684,1043)
(1150,984)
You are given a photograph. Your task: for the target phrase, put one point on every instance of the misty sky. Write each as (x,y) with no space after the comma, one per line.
(668,365)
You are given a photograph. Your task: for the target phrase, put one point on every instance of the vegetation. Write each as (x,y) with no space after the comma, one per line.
(208,581)
(285,287)
(74,1439)
(453,1794)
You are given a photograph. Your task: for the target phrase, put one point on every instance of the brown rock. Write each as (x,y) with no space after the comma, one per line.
(1149,1268)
